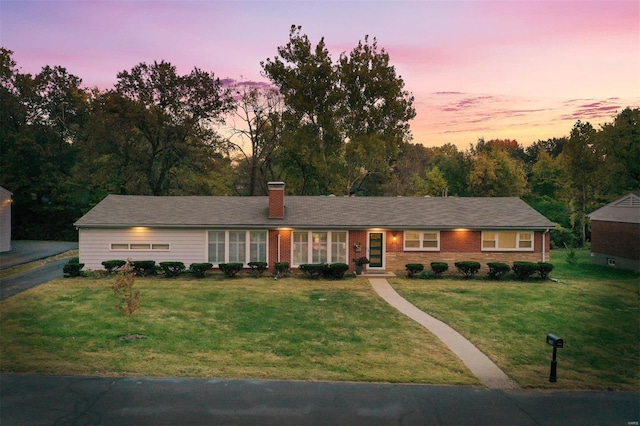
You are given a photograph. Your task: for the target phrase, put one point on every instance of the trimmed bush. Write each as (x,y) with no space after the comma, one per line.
(198,269)
(313,270)
(172,269)
(468,268)
(72,269)
(544,268)
(281,267)
(426,275)
(439,268)
(524,270)
(337,270)
(230,269)
(113,265)
(497,270)
(143,268)
(257,268)
(413,269)
(73,260)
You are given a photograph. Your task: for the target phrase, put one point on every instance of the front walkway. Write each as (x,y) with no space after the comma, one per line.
(480,365)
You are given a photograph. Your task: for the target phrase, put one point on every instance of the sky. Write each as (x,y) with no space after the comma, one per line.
(512,69)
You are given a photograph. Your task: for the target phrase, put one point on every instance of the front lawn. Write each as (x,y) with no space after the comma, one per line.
(593,308)
(233,328)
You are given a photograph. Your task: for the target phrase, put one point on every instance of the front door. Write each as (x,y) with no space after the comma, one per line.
(376,250)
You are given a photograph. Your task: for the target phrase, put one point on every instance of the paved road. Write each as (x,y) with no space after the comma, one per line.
(60,400)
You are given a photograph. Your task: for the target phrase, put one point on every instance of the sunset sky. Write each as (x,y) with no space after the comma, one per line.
(523,70)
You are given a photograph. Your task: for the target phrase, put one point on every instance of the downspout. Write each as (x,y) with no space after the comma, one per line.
(544,239)
(278,246)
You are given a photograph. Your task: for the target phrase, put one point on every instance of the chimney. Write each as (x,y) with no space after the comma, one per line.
(276,200)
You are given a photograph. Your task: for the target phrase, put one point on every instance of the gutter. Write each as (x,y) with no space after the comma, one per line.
(544,238)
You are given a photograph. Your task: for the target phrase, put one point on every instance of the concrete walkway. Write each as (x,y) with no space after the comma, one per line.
(480,365)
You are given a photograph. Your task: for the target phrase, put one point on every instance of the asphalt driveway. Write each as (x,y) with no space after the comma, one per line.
(29,251)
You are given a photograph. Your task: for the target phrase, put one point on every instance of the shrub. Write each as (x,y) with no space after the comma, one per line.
(257,268)
(230,269)
(128,299)
(337,270)
(281,268)
(313,270)
(497,270)
(426,275)
(73,260)
(172,269)
(524,270)
(113,265)
(72,269)
(544,268)
(413,269)
(198,269)
(143,268)
(468,268)
(439,268)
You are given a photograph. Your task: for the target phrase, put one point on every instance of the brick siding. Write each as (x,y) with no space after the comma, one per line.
(616,239)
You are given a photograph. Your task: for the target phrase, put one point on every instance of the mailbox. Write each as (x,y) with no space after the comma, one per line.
(555,341)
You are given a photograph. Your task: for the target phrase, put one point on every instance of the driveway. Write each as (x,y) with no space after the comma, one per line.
(29,251)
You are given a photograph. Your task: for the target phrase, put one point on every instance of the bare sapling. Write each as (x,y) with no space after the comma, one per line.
(128,298)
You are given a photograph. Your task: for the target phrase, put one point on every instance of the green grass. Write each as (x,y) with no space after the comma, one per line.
(593,308)
(239,328)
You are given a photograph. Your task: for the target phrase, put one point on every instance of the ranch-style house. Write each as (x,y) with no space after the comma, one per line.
(389,231)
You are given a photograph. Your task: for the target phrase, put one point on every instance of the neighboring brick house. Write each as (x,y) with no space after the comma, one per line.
(615,233)
(390,231)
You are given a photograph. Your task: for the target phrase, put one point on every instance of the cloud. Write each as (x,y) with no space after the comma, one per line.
(591,109)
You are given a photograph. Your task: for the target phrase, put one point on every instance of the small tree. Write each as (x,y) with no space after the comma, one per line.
(129,300)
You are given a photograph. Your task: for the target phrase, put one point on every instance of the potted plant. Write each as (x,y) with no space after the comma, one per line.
(359,261)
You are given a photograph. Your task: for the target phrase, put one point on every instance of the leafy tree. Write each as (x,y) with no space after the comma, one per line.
(308,84)
(375,111)
(40,117)
(546,175)
(433,183)
(344,123)
(496,174)
(619,145)
(455,166)
(581,163)
(153,134)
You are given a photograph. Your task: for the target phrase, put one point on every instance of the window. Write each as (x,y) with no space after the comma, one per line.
(237,246)
(140,246)
(216,247)
(319,247)
(422,240)
(338,247)
(507,240)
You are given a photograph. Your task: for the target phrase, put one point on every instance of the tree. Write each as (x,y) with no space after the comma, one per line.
(619,145)
(259,110)
(153,134)
(344,123)
(581,163)
(40,117)
(433,184)
(496,174)
(374,113)
(308,83)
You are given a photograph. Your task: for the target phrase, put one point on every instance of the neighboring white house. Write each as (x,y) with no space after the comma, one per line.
(5,219)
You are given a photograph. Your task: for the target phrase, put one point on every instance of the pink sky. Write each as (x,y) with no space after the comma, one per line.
(523,70)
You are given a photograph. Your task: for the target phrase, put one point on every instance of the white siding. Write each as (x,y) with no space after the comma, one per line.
(186,245)
(5,220)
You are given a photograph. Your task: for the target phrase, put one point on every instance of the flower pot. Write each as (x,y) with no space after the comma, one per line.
(358,269)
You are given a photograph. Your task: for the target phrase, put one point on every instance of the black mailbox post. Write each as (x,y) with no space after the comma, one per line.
(556,342)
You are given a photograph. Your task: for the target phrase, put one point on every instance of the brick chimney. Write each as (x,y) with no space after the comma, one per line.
(276,200)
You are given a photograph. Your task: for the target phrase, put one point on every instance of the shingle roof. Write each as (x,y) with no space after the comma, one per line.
(625,209)
(315,212)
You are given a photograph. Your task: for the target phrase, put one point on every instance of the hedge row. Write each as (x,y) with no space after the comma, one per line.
(469,268)
(316,270)
(146,268)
